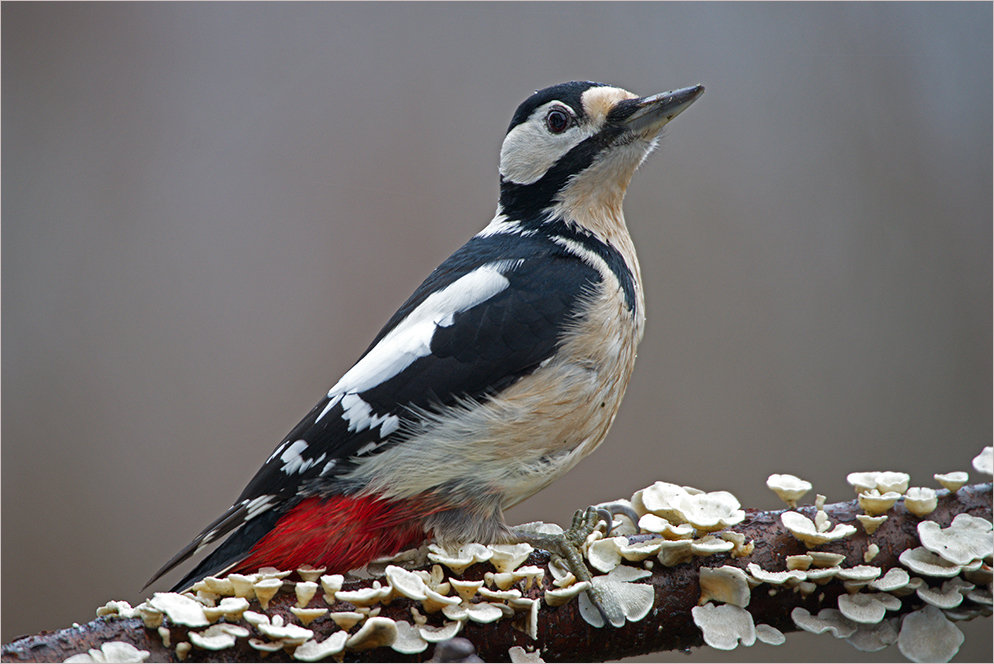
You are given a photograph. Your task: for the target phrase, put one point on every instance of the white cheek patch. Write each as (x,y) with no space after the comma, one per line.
(529,150)
(409,341)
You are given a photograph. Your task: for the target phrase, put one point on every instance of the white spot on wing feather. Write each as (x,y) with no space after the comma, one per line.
(257,506)
(293,460)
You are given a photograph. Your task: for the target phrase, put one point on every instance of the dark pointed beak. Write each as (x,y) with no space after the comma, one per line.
(649,114)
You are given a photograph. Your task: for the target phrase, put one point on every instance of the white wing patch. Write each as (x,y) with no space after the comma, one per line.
(257,506)
(409,341)
(293,460)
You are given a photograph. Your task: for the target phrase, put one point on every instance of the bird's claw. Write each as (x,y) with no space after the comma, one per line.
(567,548)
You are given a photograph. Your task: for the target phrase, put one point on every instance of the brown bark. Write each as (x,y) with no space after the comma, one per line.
(563,635)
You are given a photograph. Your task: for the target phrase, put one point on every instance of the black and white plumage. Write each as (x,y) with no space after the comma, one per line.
(501,371)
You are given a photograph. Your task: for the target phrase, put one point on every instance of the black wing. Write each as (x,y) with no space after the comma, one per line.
(488,315)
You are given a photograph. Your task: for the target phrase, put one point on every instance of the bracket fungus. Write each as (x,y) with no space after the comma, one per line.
(875,503)
(309,573)
(183,648)
(674,552)
(150,615)
(374,633)
(984,462)
(346,619)
(435,634)
(650,523)
(870,523)
(710,545)
(466,589)
(789,488)
(953,482)
(711,511)
(518,655)
(740,547)
(867,608)
(307,616)
(895,579)
(531,575)
(483,612)
(605,554)
(966,539)
(331,584)
(266,589)
(460,559)
(265,647)
(406,584)
(217,637)
(805,530)
(241,585)
(112,651)
(826,558)
(855,578)
(921,501)
(822,575)
(305,591)
(508,557)
(827,620)
(928,636)
(725,626)
(622,598)
(948,596)
(279,630)
(871,638)
(119,608)
(561,596)
(770,635)
(790,577)
(922,561)
(408,641)
(315,651)
(364,597)
(883,482)
(180,609)
(527,620)
(726,584)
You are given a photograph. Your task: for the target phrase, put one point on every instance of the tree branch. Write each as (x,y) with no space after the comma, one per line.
(562,634)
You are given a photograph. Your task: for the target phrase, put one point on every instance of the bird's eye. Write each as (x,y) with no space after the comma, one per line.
(557,121)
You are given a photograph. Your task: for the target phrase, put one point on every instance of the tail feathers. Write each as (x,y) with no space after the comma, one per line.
(233,551)
(340,533)
(229,521)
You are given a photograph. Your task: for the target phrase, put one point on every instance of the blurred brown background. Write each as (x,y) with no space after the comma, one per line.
(209,210)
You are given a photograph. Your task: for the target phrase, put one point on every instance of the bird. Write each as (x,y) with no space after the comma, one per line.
(502,370)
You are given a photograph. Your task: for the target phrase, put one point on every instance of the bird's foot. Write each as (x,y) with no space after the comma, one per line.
(567,550)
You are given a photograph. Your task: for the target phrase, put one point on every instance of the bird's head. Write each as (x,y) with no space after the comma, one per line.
(572,148)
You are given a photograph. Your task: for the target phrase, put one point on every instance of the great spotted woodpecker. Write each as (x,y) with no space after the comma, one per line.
(503,369)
